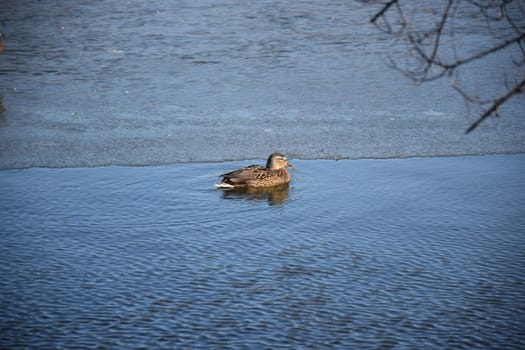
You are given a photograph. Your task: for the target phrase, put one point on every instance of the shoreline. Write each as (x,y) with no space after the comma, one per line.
(292,158)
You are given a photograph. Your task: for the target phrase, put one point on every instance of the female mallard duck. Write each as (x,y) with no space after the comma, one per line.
(258,176)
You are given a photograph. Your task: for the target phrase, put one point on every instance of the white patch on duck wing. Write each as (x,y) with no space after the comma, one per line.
(223,185)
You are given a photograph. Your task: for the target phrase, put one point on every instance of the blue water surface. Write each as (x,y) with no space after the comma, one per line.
(367,254)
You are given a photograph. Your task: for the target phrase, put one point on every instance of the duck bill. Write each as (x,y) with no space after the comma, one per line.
(290,166)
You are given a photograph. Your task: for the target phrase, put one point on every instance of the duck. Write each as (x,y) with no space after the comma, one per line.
(257,176)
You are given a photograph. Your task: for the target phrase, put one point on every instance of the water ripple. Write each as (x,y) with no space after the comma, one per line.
(389,254)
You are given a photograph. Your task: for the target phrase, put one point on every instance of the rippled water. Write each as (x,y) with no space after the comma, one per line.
(367,254)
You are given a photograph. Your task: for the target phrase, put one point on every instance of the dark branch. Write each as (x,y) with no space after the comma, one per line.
(482,53)
(495,105)
(383,10)
(428,57)
(439,30)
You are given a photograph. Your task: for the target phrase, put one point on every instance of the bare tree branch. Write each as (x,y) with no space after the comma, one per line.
(495,105)
(439,30)
(481,54)
(383,10)
(429,54)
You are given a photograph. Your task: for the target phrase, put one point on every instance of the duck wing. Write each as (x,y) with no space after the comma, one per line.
(242,176)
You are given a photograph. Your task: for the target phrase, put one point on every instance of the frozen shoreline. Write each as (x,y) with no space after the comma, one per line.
(47,140)
(58,149)
(254,159)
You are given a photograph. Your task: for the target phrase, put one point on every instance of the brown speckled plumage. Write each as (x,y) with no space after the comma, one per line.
(258,176)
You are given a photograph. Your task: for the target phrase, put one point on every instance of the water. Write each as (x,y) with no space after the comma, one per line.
(141,83)
(369,254)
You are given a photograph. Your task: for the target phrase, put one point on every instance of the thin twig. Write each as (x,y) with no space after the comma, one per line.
(439,30)
(497,102)
(482,53)
(383,10)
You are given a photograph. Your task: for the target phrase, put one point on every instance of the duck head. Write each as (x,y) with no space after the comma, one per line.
(278,161)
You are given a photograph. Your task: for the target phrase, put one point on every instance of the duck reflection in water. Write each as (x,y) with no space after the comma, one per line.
(258,182)
(275,195)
